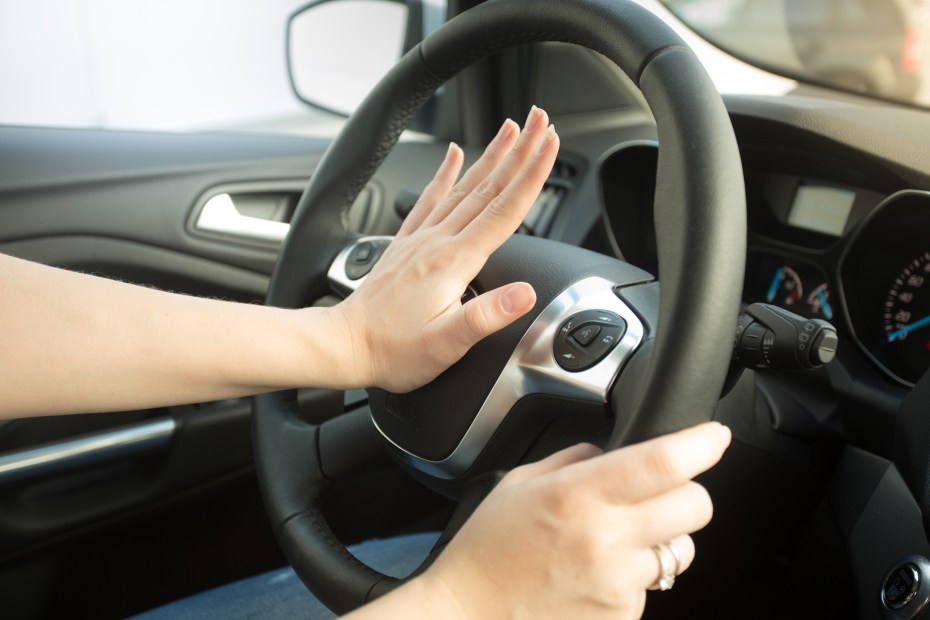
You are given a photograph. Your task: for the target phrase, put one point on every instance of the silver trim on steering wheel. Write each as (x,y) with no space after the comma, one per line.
(338,278)
(532,369)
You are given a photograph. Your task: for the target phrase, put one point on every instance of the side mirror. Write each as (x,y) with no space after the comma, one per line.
(337,50)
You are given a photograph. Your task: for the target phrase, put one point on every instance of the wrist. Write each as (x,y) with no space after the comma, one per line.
(432,595)
(420,598)
(342,348)
(443,599)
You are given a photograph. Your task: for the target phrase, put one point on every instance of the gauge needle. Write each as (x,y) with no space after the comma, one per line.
(909,328)
(773,288)
(827,310)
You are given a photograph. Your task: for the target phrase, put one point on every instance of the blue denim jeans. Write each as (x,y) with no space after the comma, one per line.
(281,594)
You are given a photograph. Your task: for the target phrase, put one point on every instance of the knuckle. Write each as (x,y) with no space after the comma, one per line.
(476,320)
(498,207)
(664,462)
(591,550)
(529,168)
(562,501)
(430,261)
(487,190)
(457,193)
(587,450)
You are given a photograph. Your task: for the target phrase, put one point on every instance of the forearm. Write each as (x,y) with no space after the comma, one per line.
(79,343)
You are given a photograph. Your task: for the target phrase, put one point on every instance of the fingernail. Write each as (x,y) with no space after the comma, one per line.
(449,151)
(506,130)
(547,139)
(517,299)
(532,120)
(725,434)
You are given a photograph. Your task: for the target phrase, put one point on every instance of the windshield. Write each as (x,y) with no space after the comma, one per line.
(873,47)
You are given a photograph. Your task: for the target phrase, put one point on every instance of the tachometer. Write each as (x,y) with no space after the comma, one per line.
(819,302)
(907,315)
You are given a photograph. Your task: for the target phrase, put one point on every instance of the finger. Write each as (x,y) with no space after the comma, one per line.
(436,191)
(652,566)
(643,470)
(502,216)
(495,182)
(487,313)
(685,509)
(685,546)
(554,462)
(496,150)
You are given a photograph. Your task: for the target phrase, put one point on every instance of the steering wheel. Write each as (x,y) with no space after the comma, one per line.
(655,364)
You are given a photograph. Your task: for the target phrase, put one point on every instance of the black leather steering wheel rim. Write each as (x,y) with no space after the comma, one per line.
(700,229)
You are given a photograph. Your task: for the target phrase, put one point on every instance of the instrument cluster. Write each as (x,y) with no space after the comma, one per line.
(821,245)
(885,281)
(878,284)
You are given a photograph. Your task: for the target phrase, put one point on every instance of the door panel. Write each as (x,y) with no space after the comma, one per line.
(118,204)
(126,205)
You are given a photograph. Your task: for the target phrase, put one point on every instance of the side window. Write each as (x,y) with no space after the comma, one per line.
(171,65)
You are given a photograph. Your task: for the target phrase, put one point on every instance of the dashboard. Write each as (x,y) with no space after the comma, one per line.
(838,228)
(829,238)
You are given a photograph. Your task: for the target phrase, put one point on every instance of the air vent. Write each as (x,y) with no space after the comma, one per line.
(543,211)
(541,214)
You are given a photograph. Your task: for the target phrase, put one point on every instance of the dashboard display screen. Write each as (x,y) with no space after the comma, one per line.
(821,209)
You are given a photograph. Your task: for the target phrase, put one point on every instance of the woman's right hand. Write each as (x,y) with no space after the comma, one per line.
(573,535)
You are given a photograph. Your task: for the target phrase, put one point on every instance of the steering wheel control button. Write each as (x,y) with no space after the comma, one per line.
(362,252)
(363,257)
(900,586)
(905,590)
(605,342)
(586,333)
(586,338)
(569,358)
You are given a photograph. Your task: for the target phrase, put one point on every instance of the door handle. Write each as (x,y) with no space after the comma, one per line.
(220,215)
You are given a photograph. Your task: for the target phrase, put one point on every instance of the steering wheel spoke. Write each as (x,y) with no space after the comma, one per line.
(574,349)
(352,265)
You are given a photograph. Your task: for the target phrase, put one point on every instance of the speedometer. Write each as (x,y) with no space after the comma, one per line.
(885,285)
(906,317)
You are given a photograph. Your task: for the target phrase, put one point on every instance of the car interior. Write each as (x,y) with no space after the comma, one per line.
(801,216)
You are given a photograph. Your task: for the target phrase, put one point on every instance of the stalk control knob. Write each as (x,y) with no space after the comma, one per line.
(769,337)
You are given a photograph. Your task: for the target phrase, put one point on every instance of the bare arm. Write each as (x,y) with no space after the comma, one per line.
(78,343)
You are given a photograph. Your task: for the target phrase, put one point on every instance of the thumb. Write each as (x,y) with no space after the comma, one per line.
(490,312)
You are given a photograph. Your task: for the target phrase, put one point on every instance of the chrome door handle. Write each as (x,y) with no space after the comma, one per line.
(219,215)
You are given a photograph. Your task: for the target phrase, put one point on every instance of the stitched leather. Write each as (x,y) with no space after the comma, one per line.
(700,225)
